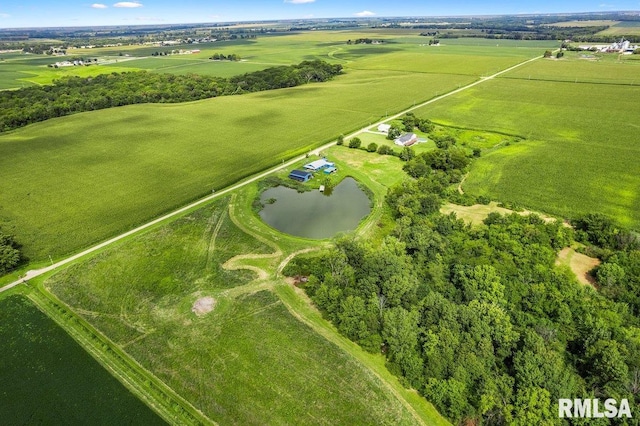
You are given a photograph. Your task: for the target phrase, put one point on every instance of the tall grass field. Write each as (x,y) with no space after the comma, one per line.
(248,361)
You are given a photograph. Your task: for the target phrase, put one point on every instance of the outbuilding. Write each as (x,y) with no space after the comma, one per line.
(384,128)
(300,175)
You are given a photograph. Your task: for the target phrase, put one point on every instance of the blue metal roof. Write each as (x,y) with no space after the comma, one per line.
(300,173)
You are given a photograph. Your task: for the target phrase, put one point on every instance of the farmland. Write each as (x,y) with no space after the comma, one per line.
(580,150)
(69,182)
(624,28)
(45,375)
(264,354)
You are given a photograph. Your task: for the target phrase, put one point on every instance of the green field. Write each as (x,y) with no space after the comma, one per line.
(47,378)
(249,361)
(605,68)
(581,150)
(624,28)
(69,182)
(21,70)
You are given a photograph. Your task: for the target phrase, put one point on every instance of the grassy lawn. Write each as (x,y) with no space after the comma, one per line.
(578,157)
(47,378)
(249,361)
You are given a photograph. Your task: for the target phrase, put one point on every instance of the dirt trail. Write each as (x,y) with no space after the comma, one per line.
(237,262)
(286,261)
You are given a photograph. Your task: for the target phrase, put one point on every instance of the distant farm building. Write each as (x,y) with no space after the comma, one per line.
(384,128)
(318,165)
(300,175)
(623,46)
(330,170)
(407,139)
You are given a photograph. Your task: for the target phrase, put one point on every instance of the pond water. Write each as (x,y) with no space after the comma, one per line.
(313,214)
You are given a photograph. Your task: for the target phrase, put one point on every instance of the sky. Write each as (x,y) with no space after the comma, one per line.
(56,13)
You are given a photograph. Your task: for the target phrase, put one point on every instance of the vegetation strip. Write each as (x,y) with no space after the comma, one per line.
(146,386)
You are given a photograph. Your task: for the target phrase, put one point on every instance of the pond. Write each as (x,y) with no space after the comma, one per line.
(313,214)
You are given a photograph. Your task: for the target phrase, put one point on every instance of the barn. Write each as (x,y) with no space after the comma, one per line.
(300,175)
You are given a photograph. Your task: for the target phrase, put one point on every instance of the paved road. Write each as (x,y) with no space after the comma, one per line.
(37,272)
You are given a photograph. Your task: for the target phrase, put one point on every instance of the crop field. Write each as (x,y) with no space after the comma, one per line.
(606,68)
(48,378)
(586,23)
(248,361)
(72,181)
(581,151)
(624,28)
(484,56)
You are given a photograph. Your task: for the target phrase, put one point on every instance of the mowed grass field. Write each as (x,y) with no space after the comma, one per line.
(73,181)
(249,361)
(47,378)
(582,148)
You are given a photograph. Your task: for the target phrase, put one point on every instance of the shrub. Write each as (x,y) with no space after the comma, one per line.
(355,143)
(372,147)
(385,150)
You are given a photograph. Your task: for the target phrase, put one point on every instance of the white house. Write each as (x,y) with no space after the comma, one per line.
(407,139)
(318,165)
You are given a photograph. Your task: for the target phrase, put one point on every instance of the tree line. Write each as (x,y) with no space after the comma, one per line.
(71,95)
(480,320)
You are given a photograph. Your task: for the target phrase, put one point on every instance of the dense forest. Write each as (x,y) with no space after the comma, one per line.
(10,254)
(77,94)
(480,320)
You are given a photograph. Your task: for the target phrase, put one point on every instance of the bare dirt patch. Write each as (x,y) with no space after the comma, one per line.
(579,263)
(203,306)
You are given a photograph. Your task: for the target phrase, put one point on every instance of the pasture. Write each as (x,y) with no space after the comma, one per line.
(249,360)
(48,378)
(580,153)
(69,182)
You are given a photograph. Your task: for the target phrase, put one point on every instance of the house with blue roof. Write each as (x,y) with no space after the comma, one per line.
(300,175)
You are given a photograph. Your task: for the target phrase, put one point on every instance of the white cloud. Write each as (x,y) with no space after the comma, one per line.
(99,6)
(128,4)
(365,13)
(299,1)
(4,15)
